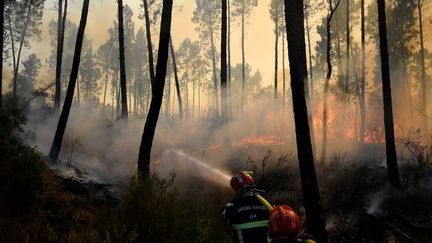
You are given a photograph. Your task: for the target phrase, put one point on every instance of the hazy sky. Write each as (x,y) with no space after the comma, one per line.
(259,38)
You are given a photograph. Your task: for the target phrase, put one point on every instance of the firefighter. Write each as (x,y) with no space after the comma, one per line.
(286,227)
(248,212)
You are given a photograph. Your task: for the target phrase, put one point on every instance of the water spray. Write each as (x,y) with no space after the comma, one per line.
(186,166)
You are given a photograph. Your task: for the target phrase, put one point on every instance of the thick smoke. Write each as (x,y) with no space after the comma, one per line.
(109,149)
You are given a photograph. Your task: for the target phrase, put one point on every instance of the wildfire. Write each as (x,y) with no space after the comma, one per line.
(259,140)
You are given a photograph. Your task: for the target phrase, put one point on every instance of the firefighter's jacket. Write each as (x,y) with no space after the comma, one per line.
(248,218)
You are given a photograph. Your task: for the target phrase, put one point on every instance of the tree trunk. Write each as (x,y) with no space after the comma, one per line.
(276,53)
(363,77)
(423,68)
(177,83)
(124,109)
(346,86)
(224,97)
(149,43)
(294,18)
(310,57)
(340,82)
(168,92)
(243,56)
(213,53)
(78,90)
(105,90)
(392,166)
(283,72)
(326,83)
(229,56)
(16,68)
(1,51)
(156,102)
(12,44)
(58,137)
(60,40)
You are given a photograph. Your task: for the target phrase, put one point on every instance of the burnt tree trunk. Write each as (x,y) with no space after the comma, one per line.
(276,53)
(229,55)
(124,113)
(1,51)
(156,101)
(58,137)
(326,83)
(149,43)
(393,171)
(177,83)
(363,77)
(213,55)
(310,56)
(243,56)
(424,86)
(224,96)
(294,18)
(16,67)
(283,71)
(60,40)
(346,86)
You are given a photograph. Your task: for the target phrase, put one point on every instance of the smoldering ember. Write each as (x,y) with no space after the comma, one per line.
(216,121)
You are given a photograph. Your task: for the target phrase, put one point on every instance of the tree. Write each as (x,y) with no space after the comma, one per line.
(275,10)
(90,74)
(363,75)
(224,96)
(327,80)
(2,7)
(61,23)
(229,53)
(392,166)
(297,57)
(254,89)
(158,88)
(103,55)
(422,63)
(142,81)
(28,76)
(206,14)
(58,137)
(243,9)
(24,19)
(122,60)
(177,83)
(146,16)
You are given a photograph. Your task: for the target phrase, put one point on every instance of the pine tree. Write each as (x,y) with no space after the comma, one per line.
(58,137)
(159,83)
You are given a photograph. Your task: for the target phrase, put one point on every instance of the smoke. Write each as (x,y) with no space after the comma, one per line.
(109,149)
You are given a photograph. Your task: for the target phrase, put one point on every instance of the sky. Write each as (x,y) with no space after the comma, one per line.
(259,37)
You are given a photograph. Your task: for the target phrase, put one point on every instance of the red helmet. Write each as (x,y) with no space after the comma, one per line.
(284,223)
(242,180)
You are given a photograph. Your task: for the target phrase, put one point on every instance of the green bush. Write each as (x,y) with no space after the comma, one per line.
(152,212)
(21,166)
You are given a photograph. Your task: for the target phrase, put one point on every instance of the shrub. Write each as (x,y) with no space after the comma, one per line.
(152,212)
(21,166)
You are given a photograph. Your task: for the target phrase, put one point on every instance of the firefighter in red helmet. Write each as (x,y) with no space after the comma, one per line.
(248,212)
(286,227)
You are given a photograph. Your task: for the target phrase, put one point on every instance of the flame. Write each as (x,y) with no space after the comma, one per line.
(259,140)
